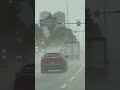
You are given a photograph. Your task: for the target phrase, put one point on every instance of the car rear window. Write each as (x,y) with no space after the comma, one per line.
(52,54)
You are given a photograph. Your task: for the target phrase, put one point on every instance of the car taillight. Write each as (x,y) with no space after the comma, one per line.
(44,61)
(55,60)
(60,60)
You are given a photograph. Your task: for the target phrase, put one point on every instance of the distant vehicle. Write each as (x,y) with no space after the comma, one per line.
(72,50)
(53,61)
(25,79)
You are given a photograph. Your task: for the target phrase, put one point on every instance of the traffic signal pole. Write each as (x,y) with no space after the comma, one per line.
(71,23)
(67,13)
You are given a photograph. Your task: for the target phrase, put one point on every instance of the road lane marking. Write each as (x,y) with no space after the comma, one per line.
(79,70)
(64,86)
(72,79)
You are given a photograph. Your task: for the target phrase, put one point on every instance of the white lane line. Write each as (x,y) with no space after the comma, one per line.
(72,79)
(79,70)
(64,86)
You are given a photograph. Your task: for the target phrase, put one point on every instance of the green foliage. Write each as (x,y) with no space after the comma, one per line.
(39,36)
(59,35)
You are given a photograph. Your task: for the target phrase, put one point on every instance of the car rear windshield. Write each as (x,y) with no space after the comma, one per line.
(52,54)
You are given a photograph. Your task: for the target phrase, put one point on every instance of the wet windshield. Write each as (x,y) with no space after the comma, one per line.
(59,32)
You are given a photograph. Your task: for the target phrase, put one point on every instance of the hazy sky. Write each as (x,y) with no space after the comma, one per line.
(76,9)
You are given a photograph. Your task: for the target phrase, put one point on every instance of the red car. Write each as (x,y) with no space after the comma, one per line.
(53,61)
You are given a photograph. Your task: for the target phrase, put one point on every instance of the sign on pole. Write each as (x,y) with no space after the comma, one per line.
(47,22)
(78,23)
(41,22)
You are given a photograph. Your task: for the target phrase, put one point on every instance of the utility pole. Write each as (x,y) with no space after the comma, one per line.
(67,20)
(67,13)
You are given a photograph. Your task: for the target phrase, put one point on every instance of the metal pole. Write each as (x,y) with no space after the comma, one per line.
(78,33)
(78,29)
(67,13)
(67,20)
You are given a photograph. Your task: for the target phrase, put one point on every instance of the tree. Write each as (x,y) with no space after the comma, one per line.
(51,17)
(39,36)
(59,35)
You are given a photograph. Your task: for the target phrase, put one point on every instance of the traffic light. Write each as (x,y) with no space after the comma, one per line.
(62,24)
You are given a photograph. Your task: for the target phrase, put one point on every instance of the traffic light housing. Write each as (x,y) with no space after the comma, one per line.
(62,24)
